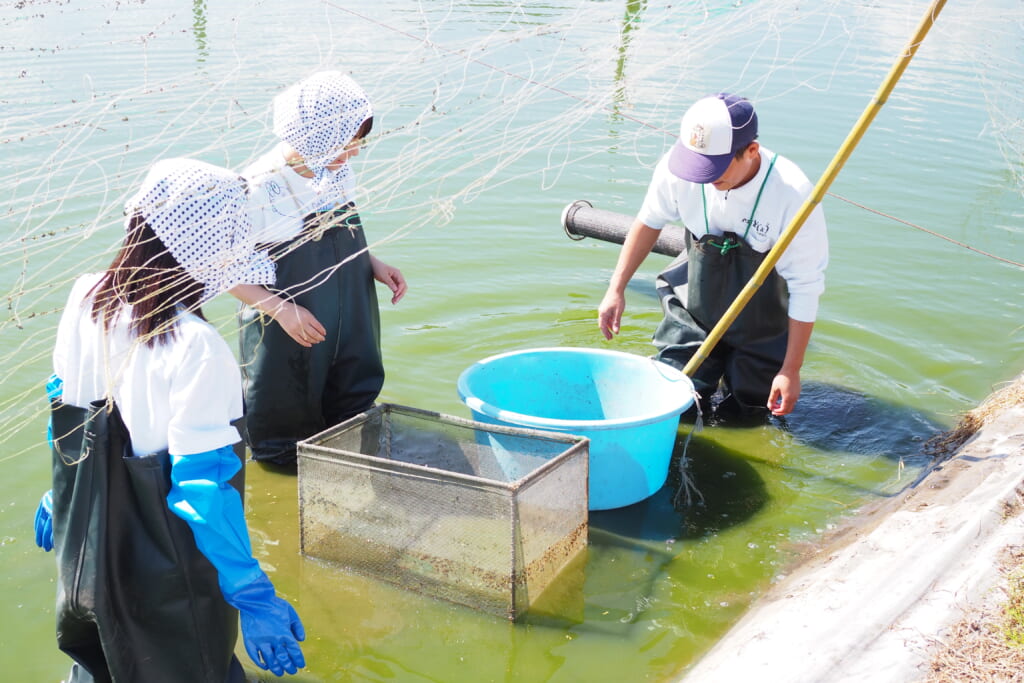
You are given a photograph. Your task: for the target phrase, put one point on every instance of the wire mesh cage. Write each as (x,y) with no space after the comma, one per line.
(481,515)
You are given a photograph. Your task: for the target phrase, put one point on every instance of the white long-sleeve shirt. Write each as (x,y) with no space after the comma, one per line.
(279,198)
(180,395)
(670,199)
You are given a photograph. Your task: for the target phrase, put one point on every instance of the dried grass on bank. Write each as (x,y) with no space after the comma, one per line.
(987,645)
(947,443)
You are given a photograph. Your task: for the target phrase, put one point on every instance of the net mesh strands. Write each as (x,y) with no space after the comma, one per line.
(489,110)
(480,515)
(458,112)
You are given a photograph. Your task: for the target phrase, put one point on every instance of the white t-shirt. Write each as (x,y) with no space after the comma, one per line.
(279,198)
(802,265)
(180,395)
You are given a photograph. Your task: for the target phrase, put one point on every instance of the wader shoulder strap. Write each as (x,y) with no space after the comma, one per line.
(753,210)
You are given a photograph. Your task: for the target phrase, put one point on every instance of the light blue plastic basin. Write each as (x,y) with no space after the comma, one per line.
(627,405)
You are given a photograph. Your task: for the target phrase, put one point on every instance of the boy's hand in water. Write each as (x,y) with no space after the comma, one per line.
(785,391)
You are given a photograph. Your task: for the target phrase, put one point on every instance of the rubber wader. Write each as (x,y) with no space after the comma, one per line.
(709,276)
(293,392)
(136,599)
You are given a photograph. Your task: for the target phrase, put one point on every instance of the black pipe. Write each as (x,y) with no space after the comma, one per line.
(580,219)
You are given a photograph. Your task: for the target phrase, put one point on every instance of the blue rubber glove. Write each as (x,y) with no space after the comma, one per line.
(54,390)
(44,513)
(44,522)
(270,628)
(201,495)
(54,386)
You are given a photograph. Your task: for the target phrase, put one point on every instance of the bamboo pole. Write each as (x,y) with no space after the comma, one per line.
(845,150)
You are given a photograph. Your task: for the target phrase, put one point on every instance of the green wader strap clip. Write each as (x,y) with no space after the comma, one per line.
(726,246)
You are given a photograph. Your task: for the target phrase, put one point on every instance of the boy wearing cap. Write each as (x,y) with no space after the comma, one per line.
(735,197)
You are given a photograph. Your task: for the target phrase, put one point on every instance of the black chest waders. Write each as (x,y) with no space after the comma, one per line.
(293,392)
(136,599)
(708,277)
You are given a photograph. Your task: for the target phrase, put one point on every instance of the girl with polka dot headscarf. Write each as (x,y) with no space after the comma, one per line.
(310,343)
(154,563)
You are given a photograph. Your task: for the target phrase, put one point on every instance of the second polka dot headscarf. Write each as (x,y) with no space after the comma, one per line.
(198,212)
(319,116)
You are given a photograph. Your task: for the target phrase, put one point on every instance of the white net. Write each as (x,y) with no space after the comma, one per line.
(472,98)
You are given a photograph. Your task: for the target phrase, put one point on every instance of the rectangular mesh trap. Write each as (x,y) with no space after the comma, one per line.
(481,515)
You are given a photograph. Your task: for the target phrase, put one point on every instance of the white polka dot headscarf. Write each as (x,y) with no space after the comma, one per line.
(318,116)
(198,212)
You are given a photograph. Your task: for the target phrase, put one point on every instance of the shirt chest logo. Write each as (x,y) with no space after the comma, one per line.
(758,230)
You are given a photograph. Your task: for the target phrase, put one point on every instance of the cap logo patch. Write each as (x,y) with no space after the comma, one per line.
(698,137)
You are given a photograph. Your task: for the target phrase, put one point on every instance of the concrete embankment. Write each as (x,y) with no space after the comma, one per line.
(868,606)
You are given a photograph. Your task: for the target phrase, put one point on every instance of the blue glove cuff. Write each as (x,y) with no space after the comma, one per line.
(253,595)
(54,387)
(54,390)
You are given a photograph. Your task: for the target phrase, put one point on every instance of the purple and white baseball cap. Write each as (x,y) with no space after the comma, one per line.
(712,131)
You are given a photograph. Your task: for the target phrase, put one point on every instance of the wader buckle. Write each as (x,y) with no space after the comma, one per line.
(726,245)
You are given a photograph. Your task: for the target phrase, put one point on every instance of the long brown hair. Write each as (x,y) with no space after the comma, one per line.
(364,129)
(145,276)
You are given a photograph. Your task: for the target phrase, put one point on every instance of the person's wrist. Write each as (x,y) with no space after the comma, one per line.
(250,590)
(617,285)
(272,306)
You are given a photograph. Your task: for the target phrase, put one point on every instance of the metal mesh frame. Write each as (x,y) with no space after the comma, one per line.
(481,515)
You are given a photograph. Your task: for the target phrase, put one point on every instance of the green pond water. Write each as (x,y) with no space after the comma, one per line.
(492,116)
